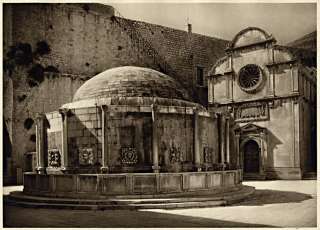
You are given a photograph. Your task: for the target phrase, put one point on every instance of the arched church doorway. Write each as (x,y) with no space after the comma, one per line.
(251,152)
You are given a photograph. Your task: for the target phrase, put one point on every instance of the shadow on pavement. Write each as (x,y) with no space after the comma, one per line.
(267,196)
(24,217)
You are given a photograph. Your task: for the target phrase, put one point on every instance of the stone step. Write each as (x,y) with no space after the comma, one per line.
(156,198)
(20,199)
(122,206)
(253,177)
(19,196)
(191,198)
(310,176)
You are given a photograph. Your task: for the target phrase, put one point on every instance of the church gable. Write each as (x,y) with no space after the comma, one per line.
(255,68)
(221,67)
(250,36)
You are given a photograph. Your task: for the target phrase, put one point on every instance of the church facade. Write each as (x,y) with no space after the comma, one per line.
(271,94)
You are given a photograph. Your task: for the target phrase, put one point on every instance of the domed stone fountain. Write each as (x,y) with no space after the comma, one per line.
(132,133)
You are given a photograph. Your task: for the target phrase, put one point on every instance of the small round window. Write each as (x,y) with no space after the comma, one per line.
(250,77)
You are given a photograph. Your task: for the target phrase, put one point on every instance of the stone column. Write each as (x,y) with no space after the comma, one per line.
(155,152)
(222,138)
(105,149)
(227,140)
(41,144)
(65,160)
(196,149)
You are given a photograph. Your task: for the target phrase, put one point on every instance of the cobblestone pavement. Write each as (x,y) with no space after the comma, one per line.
(274,204)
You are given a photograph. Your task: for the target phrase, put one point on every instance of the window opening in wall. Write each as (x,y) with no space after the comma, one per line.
(250,78)
(200,77)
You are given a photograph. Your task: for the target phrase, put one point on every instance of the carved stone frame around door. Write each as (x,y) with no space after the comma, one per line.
(259,135)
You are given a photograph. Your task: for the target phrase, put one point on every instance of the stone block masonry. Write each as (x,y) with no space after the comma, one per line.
(143,184)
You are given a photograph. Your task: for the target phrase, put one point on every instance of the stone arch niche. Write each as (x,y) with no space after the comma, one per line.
(252,146)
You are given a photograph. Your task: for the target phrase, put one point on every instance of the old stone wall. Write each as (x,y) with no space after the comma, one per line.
(74,40)
(55,90)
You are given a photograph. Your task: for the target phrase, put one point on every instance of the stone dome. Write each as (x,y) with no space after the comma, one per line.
(131,82)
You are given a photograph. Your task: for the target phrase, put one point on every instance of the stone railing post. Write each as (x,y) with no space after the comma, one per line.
(105,149)
(155,152)
(41,147)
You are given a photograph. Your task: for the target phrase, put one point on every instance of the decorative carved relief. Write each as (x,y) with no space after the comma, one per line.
(85,156)
(128,156)
(54,158)
(175,154)
(251,112)
(207,154)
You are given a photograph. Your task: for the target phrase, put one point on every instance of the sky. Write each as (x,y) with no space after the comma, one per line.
(286,21)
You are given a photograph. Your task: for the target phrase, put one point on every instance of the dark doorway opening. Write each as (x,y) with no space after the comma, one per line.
(251,157)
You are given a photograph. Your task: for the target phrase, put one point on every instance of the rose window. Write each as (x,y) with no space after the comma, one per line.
(250,77)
